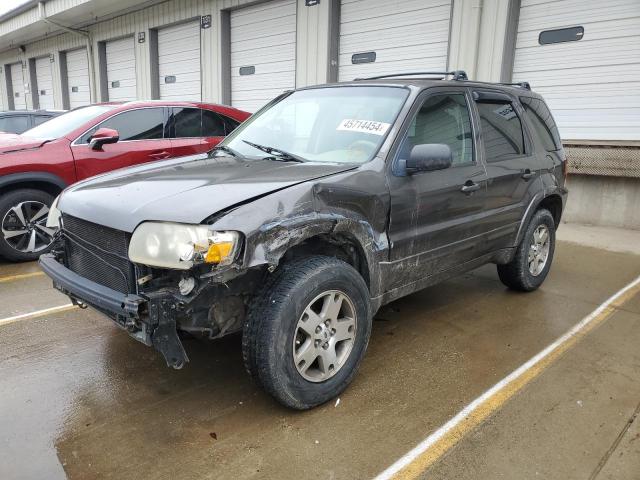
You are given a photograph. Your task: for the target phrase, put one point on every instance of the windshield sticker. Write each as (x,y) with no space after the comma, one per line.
(364,126)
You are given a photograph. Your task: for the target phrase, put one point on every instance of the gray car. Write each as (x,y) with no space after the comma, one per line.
(328,203)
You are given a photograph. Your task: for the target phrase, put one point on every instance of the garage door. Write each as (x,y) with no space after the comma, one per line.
(263,53)
(179,62)
(17,84)
(78,78)
(584,57)
(121,69)
(44,83)
(378,37)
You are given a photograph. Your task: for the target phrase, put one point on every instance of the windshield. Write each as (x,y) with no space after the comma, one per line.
(333,124)
(64,124)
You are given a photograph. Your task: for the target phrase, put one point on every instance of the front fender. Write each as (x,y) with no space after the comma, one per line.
(274,224)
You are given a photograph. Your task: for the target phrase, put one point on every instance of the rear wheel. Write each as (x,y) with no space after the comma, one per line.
(532,261)
(307,331)
(24,235)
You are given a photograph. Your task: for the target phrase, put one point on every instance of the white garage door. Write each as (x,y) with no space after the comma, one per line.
(591,84)
(17,84)
(263,53)
(179,62)
(44,80)
(378,37)
(121,70)
(78,78)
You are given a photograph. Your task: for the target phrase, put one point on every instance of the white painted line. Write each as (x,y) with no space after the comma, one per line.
(37,313)
(413,460)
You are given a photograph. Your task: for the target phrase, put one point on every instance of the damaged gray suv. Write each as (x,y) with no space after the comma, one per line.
(328,203)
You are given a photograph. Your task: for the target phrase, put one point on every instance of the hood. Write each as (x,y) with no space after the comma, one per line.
(10,142)
(186,191)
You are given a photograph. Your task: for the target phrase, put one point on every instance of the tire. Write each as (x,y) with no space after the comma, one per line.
(273,340)
(18,248)
(518,274)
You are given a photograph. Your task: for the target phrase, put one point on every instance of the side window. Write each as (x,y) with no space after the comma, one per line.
(501,130)
(229,124)
(187,122)
(212,124)
(442,119)
(142,124)
(38,119)
(540,119)
(14,124)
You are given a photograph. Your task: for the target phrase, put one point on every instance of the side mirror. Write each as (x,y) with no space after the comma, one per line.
(428,157)
(103,136)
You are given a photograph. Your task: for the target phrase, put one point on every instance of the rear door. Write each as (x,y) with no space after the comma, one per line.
(194,130)
(436,217)
(141,140)
(512,168)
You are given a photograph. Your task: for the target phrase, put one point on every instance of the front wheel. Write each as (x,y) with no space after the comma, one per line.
(532,261)
(24,235)
(307,331)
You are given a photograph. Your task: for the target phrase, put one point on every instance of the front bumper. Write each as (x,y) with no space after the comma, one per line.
(150,319)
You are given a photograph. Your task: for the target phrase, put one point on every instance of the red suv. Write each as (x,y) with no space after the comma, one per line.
(37,165)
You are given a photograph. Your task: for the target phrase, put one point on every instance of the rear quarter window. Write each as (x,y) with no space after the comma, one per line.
(539,117)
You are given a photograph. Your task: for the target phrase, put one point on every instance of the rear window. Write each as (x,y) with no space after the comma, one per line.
(542,122)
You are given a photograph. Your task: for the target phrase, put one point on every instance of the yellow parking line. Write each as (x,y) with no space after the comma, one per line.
(36,314)
(22,276)
(414,464)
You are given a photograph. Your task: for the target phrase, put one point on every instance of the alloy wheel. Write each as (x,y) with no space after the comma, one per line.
(324,336)
(539,250)
(24,227)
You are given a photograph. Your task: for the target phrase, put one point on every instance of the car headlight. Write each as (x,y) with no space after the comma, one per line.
(180,246)
(53,219)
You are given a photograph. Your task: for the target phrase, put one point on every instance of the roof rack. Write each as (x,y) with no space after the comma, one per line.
(525,85)
(456,75)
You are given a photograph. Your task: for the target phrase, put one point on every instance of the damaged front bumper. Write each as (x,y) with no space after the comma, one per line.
(150,319)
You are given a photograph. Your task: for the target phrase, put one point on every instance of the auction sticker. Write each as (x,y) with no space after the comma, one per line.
(364,126)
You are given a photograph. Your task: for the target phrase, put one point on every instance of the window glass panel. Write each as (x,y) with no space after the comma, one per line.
(187,122)
(542,122)
(143,124)
(212,124)
(17,124)
(561,35)
(501,130)
(442,119)
(38,119)
(229,124)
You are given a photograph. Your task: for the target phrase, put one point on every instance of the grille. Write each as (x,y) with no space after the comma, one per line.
(99,254)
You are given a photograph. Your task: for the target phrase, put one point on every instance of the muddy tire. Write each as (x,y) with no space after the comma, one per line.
(307,331)
(23,215)
(532,261)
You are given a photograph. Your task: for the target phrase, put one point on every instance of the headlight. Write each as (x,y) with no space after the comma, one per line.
(53,219)
(180,246)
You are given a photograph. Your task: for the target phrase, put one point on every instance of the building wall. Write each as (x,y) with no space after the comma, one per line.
(482,42)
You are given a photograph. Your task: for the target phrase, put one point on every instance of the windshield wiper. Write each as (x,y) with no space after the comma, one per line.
(229,150)
(279,155)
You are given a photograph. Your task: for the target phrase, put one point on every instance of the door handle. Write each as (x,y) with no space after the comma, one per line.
(527,174)
(470,186)
(160,155)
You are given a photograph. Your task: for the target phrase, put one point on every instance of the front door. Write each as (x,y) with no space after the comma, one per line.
(141,140)
(436,217)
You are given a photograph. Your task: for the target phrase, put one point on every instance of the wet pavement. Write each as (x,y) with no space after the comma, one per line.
(80,399)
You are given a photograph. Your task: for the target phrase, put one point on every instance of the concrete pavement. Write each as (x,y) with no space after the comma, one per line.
(80,399)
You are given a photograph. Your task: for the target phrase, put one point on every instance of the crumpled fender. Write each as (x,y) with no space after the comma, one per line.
(273,224)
